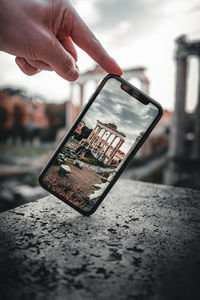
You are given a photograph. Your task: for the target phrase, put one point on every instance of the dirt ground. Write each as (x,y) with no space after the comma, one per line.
(76,186)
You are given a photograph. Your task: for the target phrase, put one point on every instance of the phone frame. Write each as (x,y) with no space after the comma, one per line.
(126,159)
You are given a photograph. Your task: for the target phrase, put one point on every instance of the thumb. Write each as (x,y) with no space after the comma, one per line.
(60,60)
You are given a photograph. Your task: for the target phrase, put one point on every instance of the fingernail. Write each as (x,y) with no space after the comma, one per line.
(76,74)
(21,62)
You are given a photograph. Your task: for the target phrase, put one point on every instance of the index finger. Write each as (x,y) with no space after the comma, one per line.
(86,40)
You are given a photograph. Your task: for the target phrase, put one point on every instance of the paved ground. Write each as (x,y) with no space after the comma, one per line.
(142,243)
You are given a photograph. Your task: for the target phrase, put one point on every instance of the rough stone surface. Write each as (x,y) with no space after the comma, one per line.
(142,243)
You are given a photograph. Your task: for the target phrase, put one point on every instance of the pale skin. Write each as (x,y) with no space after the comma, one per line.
(42,33)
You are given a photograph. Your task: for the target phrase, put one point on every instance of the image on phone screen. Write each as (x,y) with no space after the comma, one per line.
(95,150)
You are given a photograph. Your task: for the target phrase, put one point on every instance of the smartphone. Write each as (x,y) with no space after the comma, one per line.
(106,135)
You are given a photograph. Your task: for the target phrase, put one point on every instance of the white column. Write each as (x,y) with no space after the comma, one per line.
(177,128)
(96,135)
(110,144)
(106,138)
(81,87)
(92,134)
(68,113)
(101,138)
(196,143)
(98,138)
(177,134)
(115,150)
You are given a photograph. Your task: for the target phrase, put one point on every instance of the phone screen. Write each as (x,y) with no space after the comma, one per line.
(95,150)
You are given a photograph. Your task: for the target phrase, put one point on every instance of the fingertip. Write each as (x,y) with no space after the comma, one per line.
(115,68)
(75,75)
(25,67)
(118,71)
(109,65)
(20,62)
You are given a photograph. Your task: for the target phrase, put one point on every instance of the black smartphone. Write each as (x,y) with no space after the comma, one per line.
(106,135)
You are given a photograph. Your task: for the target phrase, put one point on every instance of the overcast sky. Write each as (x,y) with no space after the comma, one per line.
(135,33)
(115,106)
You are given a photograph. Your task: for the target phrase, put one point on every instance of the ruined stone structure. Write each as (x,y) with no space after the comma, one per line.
(96,75)
(177,147)
(105,142)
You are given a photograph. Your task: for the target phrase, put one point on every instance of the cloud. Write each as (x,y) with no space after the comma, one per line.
(88,11)
(181,7)
(125,20)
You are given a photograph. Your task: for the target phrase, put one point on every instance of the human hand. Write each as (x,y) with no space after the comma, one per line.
(41,34)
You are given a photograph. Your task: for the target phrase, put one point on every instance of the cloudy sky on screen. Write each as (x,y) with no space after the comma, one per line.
(135,33)
(115,106)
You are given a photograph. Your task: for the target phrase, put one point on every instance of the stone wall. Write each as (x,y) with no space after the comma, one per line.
(142,243)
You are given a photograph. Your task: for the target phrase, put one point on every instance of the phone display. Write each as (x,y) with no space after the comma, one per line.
(115,123)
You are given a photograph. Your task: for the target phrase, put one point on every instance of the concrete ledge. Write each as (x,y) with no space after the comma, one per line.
(142,243)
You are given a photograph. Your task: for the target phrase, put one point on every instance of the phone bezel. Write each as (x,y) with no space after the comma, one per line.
(126,160)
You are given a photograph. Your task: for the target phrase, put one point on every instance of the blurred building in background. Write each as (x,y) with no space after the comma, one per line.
(24,119)
(29,128)
(183,167)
